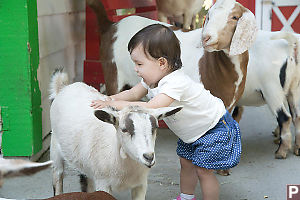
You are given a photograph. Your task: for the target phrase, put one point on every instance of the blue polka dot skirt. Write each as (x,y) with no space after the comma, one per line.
(218,148)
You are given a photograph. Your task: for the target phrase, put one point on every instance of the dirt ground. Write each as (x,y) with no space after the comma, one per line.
(258,176)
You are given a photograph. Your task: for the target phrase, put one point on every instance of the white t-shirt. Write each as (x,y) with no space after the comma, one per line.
(201,110)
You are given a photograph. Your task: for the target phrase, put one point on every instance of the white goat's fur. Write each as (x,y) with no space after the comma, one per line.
(111,157)
(269,53)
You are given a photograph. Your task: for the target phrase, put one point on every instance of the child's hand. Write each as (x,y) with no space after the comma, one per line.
(98,104)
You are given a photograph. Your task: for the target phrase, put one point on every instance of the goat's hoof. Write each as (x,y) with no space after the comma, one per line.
(276,140)
(297,150)
(223,172)
(280,155)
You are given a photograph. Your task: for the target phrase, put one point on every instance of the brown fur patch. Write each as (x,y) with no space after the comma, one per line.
(153,123)
(226,34)
(129,125)
(106,55)
(219,76)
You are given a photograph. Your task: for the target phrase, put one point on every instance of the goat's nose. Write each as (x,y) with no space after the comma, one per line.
(205,39)
(148,156)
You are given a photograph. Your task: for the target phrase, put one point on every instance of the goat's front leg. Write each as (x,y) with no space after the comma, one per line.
(187,21)
(139,192)
(102,185)
(297,136)
(87,184)
(161,17)
(193,23)
(284,122)
(276,102)
(293,100)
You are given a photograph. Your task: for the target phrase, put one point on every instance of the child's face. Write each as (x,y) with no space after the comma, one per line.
(150,69)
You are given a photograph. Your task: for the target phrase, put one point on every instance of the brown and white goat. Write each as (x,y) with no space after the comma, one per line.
(179,9)
(227,34)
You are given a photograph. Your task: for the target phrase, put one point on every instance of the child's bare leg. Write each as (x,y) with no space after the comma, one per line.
(209,183)
(188,176)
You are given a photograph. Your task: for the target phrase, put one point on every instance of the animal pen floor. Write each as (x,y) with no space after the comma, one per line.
(258,176)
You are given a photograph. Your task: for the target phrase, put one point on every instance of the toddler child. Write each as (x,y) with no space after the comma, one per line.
(209,138)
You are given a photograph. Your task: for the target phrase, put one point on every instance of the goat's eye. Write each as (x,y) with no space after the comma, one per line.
(124,130)
(235,18)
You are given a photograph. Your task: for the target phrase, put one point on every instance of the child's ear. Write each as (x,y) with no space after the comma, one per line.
(163,62)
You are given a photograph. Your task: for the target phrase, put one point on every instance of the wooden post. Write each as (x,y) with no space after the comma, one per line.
(20,97)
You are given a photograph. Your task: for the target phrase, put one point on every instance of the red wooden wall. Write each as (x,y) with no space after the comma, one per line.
(92,74)
(250,4)
(287,12)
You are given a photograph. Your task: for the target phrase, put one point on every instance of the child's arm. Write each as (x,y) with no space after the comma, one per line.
(160,100)
(133,94)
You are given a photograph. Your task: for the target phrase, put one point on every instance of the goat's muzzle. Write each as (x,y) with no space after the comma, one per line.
(149,158)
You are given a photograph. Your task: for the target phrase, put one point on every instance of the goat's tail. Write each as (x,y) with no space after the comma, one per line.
(59,80)
(103,22)
(293,42)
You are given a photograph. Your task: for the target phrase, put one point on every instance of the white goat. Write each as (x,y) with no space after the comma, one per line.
(273,78)
(178,9)
(114,149)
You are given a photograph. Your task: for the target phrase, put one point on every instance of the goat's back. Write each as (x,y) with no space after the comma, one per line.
(79,135)
(267,57)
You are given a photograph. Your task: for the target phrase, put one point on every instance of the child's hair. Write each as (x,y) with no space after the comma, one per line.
(158,41)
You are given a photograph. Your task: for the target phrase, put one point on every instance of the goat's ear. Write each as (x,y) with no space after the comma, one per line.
(16,167)
(108,115)
(160,113)
(244,34)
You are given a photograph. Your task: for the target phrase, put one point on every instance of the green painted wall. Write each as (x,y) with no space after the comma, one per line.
(20,97)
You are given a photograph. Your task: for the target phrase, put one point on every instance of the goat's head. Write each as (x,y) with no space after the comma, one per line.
(136,129)
(228,26)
